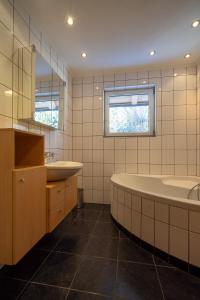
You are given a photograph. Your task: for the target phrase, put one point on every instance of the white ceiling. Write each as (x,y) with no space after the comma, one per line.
(117,34)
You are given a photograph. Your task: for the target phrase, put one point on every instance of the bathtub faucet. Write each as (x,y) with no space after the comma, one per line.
(192,189)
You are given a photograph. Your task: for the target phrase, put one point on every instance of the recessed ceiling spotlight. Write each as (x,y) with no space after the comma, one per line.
(70,20)
(97,88)
(175,74)
(195,23)
(84,54)
(8,93)
(187,55)
(144,82)
(152,53)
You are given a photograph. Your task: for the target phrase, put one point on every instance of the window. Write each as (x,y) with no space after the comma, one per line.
(130,111)
(47,108)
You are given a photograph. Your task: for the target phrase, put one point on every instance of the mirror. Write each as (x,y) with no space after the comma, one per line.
(48,98)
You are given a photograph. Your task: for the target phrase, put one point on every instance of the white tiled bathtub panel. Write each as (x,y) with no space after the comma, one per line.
(172,229)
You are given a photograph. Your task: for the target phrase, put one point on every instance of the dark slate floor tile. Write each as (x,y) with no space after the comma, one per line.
(122,235)
(95,206)
(27,266)
(59,269)
(73,243)
(128,250)
(102,247)
(74,295)
(10,288)
(106,229)
(105,216)
(48,242)
(138,282)
(177,284)
(78,227)
(96,275)
(41,292)
(107,207)
(88,214)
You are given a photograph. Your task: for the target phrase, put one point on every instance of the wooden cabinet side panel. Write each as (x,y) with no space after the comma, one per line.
(6,166)
(70,194)
(29,209)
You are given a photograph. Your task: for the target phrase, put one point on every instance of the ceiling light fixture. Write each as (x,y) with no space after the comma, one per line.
(175,74)
(152,53)
(187,55)
(84,54)
(8,93)
(70,20)
(195,23)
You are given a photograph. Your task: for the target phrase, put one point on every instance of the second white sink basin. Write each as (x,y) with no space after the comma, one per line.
(60,170)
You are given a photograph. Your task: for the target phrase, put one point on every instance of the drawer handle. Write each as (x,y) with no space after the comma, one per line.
(58,191)
(22,180)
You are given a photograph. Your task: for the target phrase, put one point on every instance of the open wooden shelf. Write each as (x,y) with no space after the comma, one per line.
(29,149)
(24,149)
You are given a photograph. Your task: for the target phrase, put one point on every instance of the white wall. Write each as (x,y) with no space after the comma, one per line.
(172,151)
(17,32)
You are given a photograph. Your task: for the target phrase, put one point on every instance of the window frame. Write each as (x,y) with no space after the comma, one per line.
(151,89)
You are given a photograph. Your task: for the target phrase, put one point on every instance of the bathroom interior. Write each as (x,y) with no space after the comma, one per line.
(99,150)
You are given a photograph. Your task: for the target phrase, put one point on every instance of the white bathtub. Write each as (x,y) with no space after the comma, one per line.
(156,209)
(172,188)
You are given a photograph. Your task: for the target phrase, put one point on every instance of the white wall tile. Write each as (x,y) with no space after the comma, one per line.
(179,243)
(162,236)
(173,149)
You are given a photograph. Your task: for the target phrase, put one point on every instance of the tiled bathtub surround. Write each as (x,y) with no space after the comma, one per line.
(171,228)
(172,151)
(17,33)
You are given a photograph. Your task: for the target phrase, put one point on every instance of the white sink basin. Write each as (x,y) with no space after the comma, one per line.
(60,170)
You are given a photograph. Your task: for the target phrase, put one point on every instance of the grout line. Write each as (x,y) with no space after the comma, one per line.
(88,292)
(67,294)
(38,269)
(158,278)
(49,285)
(83,259)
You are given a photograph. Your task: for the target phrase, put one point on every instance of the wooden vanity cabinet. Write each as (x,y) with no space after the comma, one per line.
(61,199)
(22,193)
(29,209)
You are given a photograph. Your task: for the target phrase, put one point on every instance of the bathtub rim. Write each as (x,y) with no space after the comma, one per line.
(180,202)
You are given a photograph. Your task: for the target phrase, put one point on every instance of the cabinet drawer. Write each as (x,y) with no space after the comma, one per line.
(56,215)
(56,195)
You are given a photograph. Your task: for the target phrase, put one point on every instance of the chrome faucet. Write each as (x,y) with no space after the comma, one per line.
(192,189)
